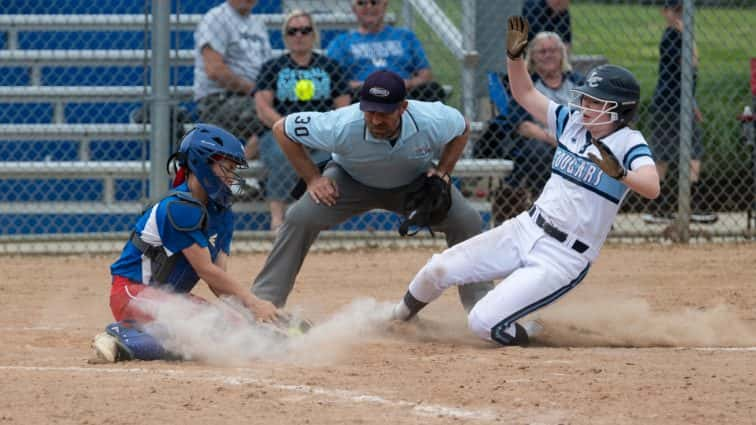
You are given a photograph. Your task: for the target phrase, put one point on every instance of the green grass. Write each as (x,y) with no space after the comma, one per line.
(629,35)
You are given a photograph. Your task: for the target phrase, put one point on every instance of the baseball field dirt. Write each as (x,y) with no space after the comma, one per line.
(654,335)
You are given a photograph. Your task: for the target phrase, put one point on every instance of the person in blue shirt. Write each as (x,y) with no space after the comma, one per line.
(183,238)
(374,46)
(378,148)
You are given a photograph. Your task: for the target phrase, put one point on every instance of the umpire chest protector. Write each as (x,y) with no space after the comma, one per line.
(185,214)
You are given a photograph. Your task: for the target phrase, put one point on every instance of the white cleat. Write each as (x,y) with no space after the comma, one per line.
(533,328)
(105,347)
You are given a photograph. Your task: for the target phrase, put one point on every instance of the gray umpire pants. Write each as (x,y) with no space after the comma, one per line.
(305,220)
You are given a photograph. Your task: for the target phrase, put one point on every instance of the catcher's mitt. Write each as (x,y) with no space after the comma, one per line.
(426,203)
(287,325)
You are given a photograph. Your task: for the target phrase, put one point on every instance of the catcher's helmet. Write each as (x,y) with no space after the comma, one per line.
(616,87)
(203,145)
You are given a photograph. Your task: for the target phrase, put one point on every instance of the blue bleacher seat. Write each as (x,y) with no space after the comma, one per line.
(39,150)
(121,6)
(14,76)
(30,224)
(118,150)
(99,113)
(93,76)
(56,40)
(43,190)
(26,113)
(130,189)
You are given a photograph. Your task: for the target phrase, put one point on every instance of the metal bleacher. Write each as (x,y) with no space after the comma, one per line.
(66,145)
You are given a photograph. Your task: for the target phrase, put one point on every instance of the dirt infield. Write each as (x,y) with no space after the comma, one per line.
(654,335)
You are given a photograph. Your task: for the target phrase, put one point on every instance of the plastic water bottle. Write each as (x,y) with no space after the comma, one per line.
(748,123)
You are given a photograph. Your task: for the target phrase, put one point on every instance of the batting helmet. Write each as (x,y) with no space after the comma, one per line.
(616,87)
(200,148)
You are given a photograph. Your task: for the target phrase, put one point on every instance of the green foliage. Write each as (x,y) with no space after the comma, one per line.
(629,35)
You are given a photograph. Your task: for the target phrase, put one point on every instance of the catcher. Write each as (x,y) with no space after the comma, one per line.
(184,237)
(379,148)
(545,252)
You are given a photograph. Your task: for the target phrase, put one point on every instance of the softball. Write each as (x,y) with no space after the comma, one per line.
(305,90)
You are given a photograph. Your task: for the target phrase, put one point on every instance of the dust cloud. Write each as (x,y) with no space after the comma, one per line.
(225,334)
(621,322)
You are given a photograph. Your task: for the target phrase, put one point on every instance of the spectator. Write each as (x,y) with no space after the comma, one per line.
(665,110)
(375,45)
(231,45)
(549,15)
(300,80)
(528,142)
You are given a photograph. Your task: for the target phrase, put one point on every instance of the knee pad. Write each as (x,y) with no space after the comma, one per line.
(135,343)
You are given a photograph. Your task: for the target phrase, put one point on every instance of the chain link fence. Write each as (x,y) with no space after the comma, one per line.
(76,90)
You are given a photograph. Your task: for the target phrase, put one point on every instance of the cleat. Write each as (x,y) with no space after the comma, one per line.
(106,347)
(657,218)
(704,217)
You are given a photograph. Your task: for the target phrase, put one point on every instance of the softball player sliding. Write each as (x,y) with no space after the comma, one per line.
(545,252)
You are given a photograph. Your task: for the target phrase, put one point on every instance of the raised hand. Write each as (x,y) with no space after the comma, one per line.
(517,36)
(608,162)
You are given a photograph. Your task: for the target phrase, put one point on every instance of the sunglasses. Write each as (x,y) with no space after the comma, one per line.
(363,3)
(291,32)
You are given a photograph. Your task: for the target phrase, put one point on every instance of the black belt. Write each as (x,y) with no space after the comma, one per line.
(555,233)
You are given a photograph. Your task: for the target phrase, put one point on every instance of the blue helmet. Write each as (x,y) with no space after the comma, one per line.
(203,145)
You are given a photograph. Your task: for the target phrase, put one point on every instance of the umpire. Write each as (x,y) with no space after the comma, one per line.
(378,147)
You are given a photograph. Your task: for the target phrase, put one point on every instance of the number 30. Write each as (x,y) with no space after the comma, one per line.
(301,130)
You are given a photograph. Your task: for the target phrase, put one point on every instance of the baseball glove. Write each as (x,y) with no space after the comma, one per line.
(426,204)
(288,325)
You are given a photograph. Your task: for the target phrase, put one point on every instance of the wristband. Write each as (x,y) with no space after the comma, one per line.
(622,174)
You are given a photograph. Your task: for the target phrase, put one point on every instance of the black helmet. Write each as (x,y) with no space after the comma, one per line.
(613,84)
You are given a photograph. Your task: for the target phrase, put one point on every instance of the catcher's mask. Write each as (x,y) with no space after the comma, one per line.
(200,148)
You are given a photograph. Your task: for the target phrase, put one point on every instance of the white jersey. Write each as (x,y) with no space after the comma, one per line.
(242,40)
(579,198)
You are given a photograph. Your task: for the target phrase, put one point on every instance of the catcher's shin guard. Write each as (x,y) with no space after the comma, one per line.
(133,343)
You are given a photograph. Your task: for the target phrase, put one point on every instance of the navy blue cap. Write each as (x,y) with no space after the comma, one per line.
(383,91)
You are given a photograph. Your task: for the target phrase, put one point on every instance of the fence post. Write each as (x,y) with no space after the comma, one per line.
(469,59)
(686,124)
(160,114)
(408,17)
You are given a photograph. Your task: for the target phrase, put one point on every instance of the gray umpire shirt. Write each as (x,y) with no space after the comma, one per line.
(426,128)
(241,40)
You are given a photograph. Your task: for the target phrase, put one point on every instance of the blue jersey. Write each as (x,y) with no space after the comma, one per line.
(425,128)
(394,49)
(168,224)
